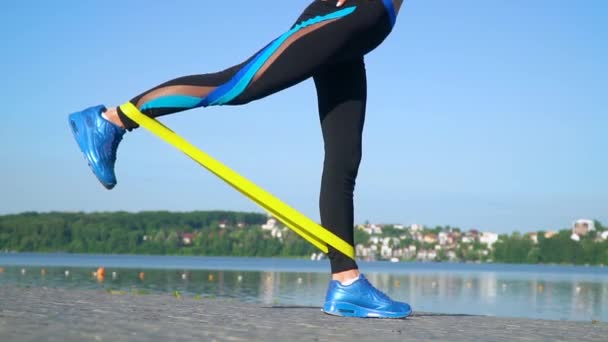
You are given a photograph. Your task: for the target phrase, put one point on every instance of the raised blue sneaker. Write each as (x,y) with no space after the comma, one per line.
(98,139)
(361,299)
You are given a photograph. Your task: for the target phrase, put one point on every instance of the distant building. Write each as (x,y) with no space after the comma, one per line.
(454,238)
(467,239)
(270,224)
(276,233)
(387,241)
(430,238)
(368,230)
(451,255)
(488,238)
(550,233)
(187,238)
(533,236)
(582,227)
(416,227)
(425,255)
(604,235)
(396,241)
(408,253)
(363,251)
(470,236)
(386,252)
(376,229)
(443,238)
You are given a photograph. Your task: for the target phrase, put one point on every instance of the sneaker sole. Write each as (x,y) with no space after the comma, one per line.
(352,310)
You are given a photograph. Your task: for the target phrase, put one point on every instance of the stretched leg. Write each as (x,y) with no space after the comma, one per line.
(322,34)
(342,94)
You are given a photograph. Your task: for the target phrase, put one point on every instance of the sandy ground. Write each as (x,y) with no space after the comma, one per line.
(47,314)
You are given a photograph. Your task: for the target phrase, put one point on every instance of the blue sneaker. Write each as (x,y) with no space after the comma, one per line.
(98,139)
(361,299)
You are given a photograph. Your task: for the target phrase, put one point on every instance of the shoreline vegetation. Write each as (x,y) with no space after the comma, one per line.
(228,233)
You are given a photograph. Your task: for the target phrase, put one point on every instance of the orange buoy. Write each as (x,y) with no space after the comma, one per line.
(141,275)
(101,273)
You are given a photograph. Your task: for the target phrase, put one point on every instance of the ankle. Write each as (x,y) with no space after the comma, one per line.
(346,277)
(111,114)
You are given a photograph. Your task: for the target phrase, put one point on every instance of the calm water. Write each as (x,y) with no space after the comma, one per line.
(546,292)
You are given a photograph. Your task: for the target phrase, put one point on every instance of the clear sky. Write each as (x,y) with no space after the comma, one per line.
(482,114)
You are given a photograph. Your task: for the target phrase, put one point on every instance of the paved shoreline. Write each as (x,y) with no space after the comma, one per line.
(48,314)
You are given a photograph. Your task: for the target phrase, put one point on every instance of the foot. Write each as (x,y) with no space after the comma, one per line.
(98,139)
(361,299)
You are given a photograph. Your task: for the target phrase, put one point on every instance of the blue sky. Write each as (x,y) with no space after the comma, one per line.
(482,114)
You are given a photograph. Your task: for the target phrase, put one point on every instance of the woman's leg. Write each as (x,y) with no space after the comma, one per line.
(342,94)
(322,34)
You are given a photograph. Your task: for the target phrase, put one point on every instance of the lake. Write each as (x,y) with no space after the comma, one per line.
(577,293)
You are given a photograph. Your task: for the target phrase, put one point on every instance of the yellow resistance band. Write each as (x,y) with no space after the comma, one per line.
(302,225)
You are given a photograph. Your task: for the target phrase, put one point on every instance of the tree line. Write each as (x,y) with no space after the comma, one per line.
(226,233)
(557,249)
(214,233)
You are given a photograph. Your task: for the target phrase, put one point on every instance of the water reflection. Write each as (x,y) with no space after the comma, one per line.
(487,293)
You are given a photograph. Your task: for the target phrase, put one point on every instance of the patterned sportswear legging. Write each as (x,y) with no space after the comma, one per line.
(327,43)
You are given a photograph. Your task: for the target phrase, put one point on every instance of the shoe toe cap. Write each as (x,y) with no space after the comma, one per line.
(403,308)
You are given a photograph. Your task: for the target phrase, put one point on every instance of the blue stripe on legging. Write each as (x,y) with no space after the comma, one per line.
(235,87)
(390,7)
(172,101)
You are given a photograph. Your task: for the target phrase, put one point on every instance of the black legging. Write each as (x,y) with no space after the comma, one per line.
(326,43)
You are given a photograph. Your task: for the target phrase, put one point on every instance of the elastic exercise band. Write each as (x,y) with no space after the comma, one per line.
(299,223)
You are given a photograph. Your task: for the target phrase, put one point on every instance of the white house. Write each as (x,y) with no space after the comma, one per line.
(386,252)
(443,238)
(582,227)
(270,224)
(386,241)
(376,229)
(488,238)
(425,255)
(416,227)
